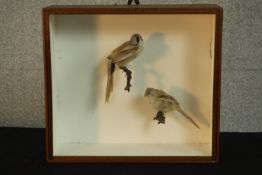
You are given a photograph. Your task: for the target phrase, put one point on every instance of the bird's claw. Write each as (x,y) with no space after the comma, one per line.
(127,88)
(160,117)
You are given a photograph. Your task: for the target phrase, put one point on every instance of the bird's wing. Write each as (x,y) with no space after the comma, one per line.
(123,46)
(123,52)
(109,85)
(127,54)
(168,99)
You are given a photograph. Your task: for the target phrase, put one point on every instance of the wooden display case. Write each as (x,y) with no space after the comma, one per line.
(182,56)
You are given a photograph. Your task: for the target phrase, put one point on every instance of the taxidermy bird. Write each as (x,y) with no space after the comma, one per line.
(121,56)
(163,103)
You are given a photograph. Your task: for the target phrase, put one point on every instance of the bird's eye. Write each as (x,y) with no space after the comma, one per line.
(137,39)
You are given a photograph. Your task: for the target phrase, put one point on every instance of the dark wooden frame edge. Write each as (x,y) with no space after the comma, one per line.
(141,9)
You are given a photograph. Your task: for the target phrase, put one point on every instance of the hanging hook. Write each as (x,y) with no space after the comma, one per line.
(130,2)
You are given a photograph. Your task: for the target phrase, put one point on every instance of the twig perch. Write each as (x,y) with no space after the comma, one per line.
(128,77)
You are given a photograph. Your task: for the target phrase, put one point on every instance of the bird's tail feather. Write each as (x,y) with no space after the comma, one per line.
(110,79)
(189,118)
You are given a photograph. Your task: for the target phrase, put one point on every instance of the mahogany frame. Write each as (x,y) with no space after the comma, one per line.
(125,9)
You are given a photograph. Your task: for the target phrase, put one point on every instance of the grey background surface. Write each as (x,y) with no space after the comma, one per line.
(22,75)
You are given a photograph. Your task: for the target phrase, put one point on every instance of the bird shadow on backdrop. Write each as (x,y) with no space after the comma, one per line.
(192,104)
(154,48)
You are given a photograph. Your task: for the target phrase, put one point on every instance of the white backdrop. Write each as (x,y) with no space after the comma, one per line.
(177,58)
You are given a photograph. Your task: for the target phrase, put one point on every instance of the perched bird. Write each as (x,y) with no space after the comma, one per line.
(163,103)
(121,56)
